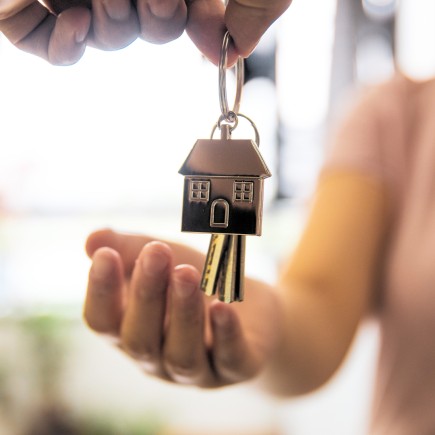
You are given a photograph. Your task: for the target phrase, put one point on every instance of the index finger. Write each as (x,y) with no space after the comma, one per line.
(246,20)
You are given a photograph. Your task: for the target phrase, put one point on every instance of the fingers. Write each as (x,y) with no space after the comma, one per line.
(115,24)
(185,355)
(143,324)
(171,348)
(104,305)
(60,41)
(12,7)
(247,20)
(19,25)
(67,42)
(128,245)
(233,359)
(161,318)
(161,21)
(206,28)
(60,31)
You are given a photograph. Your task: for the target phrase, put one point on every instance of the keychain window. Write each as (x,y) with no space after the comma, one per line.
(243,191)
(199,190)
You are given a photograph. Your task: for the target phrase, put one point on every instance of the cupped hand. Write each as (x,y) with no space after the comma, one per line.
(60,30)
(144,296)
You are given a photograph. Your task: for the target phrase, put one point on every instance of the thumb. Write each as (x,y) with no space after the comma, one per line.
(247,20)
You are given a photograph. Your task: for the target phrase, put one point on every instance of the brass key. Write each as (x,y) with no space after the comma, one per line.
(224,268)
(232,287)
(213,263)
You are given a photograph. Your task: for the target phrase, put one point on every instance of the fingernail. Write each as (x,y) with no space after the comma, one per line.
(154,261)
(163,10)
(101,267)
(183,287)
(80,35)
(221,317)
(118,10)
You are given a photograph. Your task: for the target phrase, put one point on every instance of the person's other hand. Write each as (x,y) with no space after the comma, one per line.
(143,295)
(60,30)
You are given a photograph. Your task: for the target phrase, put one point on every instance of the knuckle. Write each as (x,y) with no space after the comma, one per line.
(144,294)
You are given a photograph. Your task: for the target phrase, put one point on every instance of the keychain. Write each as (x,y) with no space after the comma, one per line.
(223,192)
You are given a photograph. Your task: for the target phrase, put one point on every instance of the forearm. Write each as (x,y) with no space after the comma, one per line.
(328,285)
(312,346)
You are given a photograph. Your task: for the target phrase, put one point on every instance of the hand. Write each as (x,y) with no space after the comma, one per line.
(60,31)
(142,295)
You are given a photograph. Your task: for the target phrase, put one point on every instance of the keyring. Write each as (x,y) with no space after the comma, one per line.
(240,76)
(235,122)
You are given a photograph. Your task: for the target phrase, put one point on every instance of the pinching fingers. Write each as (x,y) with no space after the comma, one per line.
(115,24)
(161,21)
(67,42)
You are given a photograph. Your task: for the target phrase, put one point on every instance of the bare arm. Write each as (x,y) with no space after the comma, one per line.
(329,284)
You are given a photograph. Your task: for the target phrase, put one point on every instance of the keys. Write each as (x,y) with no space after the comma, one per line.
(223,272)
(213,263)
(223,193)
(232,287)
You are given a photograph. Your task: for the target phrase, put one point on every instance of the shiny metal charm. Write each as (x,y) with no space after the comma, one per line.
(223,194)
(223,187)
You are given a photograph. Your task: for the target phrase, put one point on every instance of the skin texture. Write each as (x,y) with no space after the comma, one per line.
(60,30)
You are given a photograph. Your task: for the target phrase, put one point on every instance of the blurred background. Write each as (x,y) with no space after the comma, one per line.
(99,144)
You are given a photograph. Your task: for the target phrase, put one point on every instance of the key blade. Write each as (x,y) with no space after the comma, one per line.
(213,263)
(227,289)
(240,269)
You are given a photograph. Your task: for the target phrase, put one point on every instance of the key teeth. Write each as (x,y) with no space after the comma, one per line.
(224,268)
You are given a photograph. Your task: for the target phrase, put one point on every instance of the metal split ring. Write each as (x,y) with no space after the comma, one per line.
(228,113)
(233,123)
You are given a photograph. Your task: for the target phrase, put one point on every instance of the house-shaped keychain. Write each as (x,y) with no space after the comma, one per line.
(223,187)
